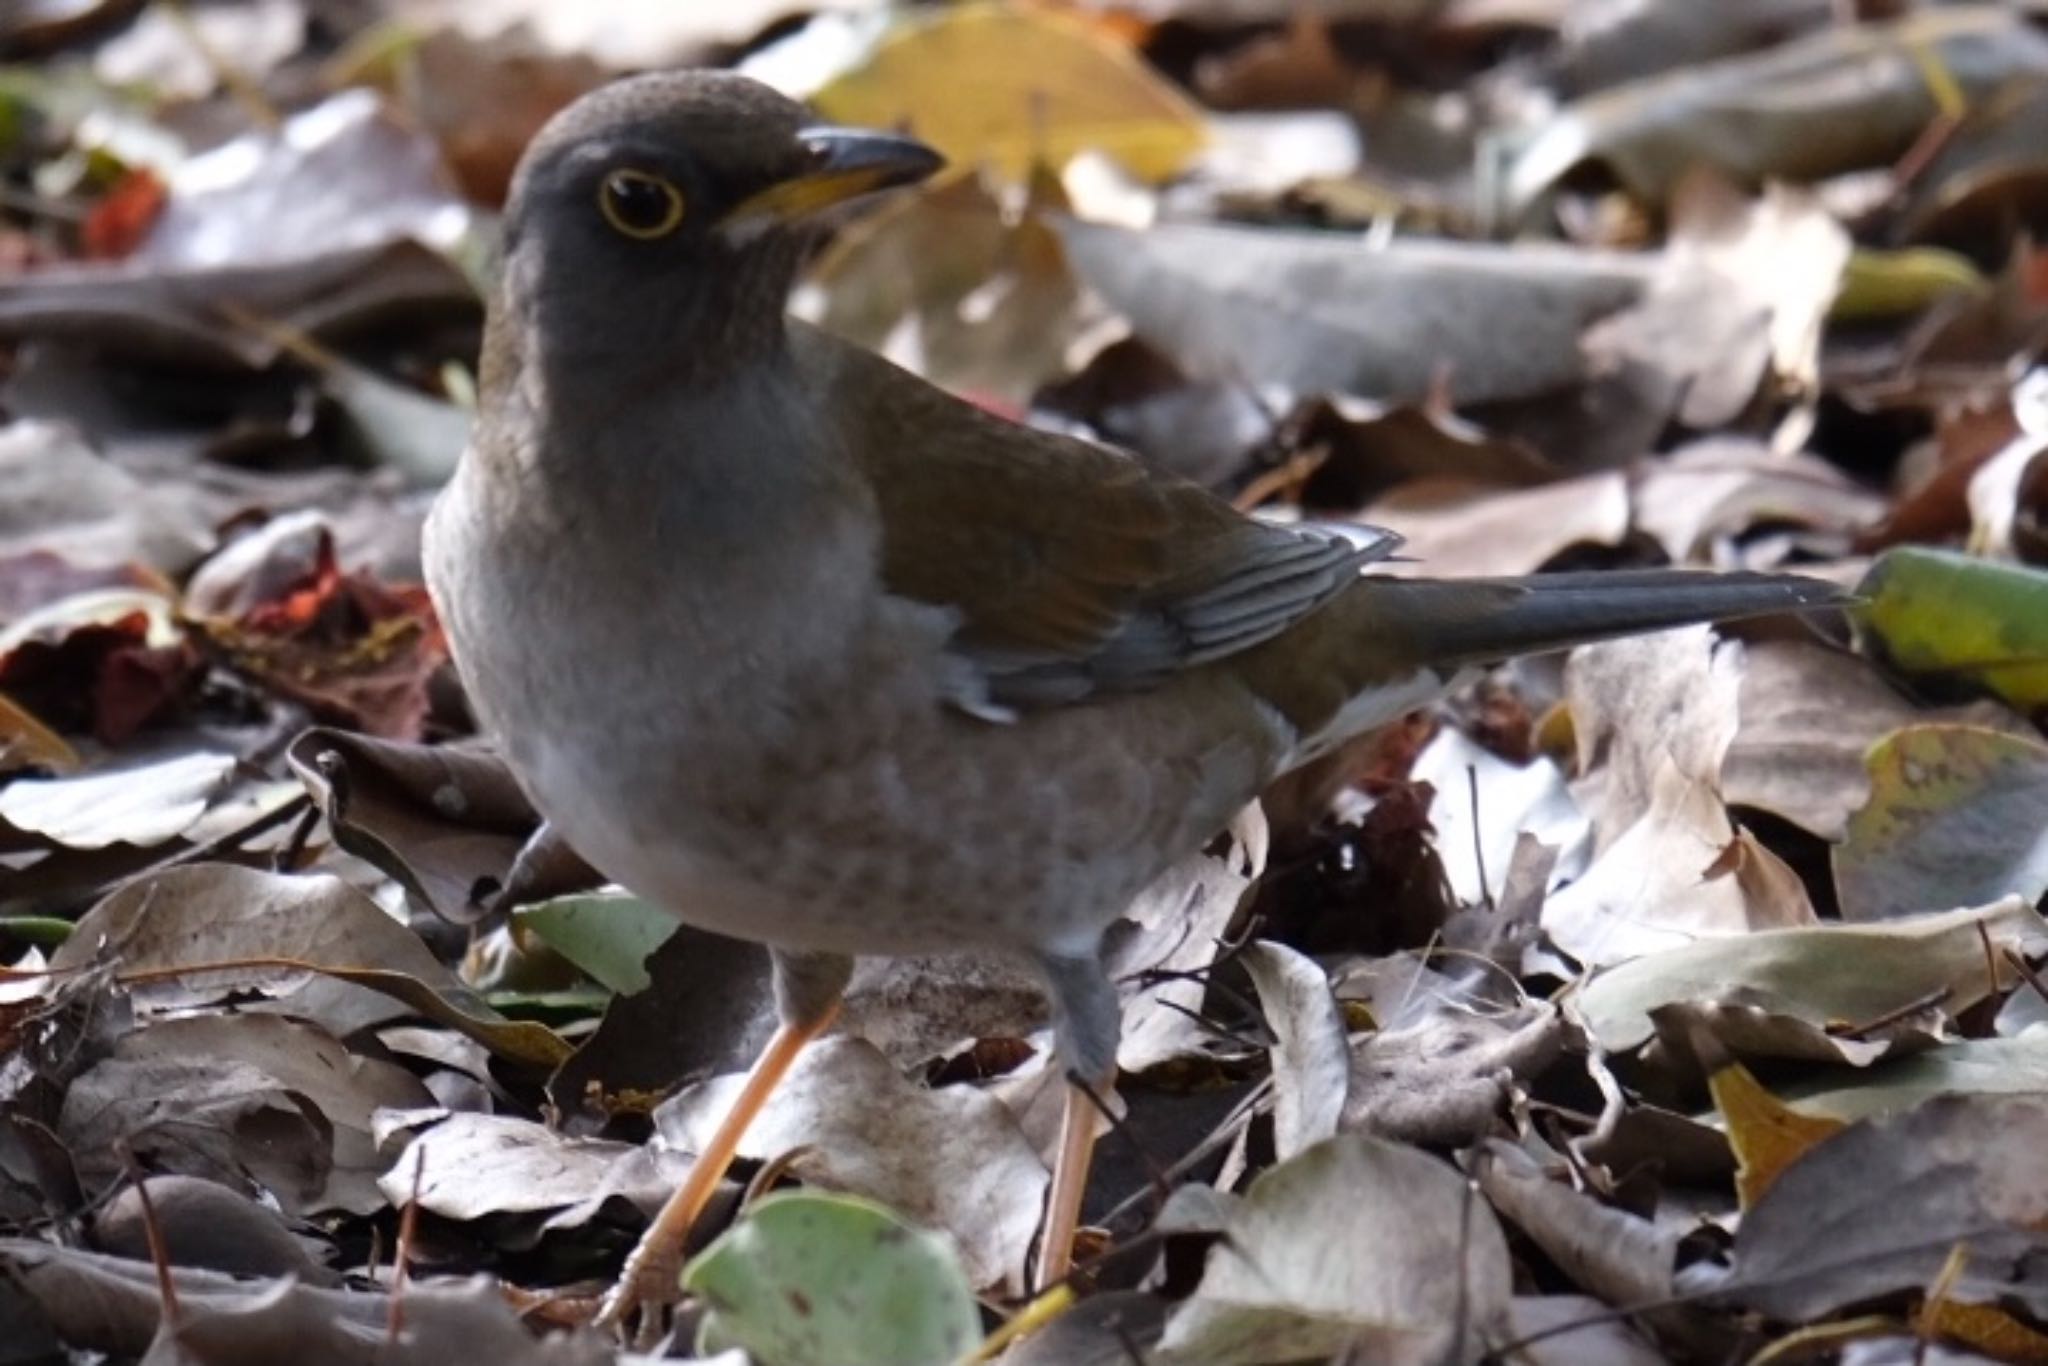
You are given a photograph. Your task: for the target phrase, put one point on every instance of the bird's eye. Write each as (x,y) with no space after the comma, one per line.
(640,205)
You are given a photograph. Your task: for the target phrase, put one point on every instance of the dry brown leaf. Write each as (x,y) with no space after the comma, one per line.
(863,1128)
(1452,529)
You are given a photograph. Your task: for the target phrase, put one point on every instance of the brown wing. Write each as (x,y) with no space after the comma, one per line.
(1074,568)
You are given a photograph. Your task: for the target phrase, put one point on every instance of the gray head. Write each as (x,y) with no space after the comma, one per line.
(658,222)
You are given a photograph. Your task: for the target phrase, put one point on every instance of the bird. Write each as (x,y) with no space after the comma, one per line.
(813,653)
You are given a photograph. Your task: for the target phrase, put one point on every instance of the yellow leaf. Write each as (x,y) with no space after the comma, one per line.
(27,743)
(1985,1329)
(1767,1135)
(1001,84)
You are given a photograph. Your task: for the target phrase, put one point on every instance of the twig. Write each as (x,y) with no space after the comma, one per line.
(1893,1016)
(408,1223)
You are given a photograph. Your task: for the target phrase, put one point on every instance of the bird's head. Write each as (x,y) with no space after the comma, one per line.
(662,218)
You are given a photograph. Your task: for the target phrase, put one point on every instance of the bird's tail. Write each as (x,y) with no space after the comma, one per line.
(1474,621)
(1389,645)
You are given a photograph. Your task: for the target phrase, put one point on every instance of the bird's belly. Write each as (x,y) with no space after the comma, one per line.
(902,830)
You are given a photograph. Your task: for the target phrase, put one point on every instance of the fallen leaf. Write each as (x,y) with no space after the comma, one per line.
(1879,1208)
(865,1130)
(143,805)
(1717,489)
(1807,716)
(208,931)
(1453,529)
(953,287)
(175,52)
(471,1166)
(59,496)
(1310,1063)
(1606,1251)
(205,1224)
(220,1096)
(626,35)
(1823,974)
(1738,300)
(1959,1067)
(439,819)
(1955,814)
(341,643)
(1355,1245)
(1766,1134)
(1950,622)
(805,1279)
(1011,85)
(1162,945)
(1847,96)
(109,1304)
(1447,1079)
(1315,312)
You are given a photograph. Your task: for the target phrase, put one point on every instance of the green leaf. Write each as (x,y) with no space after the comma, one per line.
(608,935)
(1939,615)
(810,1279)
(36,929)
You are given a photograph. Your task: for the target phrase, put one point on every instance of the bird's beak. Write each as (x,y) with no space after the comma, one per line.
(845,164)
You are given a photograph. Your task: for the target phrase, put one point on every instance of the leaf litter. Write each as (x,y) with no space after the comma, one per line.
(1680,1000)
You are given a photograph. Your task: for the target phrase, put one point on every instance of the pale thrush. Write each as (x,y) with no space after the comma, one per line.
(812,653)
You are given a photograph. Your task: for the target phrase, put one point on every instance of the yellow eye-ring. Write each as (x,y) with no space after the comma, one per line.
(640,204)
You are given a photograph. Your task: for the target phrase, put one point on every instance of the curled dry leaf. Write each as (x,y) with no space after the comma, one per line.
(1955,813)
(1448,1079)
(205,1224)
(471,1166)
(1310,1072)
(1680,873)
(864,1129)
(206,932)
(88,1301)
(1738,300)
(1604,1251)
(955,288)
(60,496)
(1354,1245)
(1161,948)
(219,1095)
(439,819)
(1723,487)
(173,53)
(1453,528)
(143,804)
(341,643)
(1847,96)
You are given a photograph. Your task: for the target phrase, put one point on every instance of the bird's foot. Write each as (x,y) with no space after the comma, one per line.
(636,1309)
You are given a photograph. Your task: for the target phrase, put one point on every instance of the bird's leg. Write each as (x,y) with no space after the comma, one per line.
(1081,1119)
(807,994)
(1086,1021)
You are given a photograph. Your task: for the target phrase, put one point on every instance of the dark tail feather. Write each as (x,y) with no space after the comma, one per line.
(1470,621)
